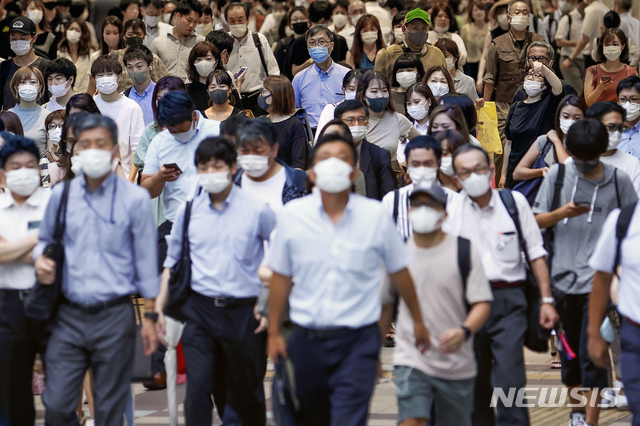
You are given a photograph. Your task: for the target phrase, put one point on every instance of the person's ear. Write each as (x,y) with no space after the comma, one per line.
(71,80)
(194,116)
(354,173)
(234,169)
(311,175)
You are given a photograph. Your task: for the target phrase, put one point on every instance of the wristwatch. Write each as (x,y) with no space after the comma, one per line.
(153,316)
(467,332)
(549,300)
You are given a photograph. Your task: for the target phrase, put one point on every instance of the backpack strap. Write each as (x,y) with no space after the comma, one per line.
(396,203)
(555,204)
(258,43)
(615,181)
(622,227)
(464,261)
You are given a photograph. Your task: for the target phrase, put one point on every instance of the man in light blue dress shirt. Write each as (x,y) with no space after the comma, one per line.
(138,60)
(222,346)
(333,244)
(321,83)
(109,255)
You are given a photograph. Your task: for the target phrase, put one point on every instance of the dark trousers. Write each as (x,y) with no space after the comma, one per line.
(630,359)
(580,371)
(498,346)
(335,374)
(21,338)
(103,341)
(224,358)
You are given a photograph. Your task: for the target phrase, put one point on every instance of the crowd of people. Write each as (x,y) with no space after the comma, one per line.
(306,181)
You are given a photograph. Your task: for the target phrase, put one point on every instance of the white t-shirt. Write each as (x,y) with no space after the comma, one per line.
(628,164)
(593,16)
(53,105)
(269,190)
(130,120)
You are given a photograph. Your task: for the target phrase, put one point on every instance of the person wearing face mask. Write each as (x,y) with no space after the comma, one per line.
(356,10)
(320,84)
(76,47)
(439,81)
(22,207)
(548,149)
(450,140)
(55,155)
(375,162)
(628,92)
(152,17)
(123,237)
(500,25)
(60,77)
(415,29)
(480,216)
(366,44)
(589,191)
(568,35)
(529,118)
(220,214)
(462,83)
(454,316)
(297,24)
(423,156)
(592,19)
(340,22)
(601,81)
(46,42)
(22,35)
(443,19)
(420,102)
(138,61)
(27,85)
(205,23)
(219,88)
(173,48)
(351,237)
(406,72)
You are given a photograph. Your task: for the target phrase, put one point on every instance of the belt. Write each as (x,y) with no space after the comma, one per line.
(633,323)
(226,302)
(22,294)
(331,333)
(96,307)
(496,285)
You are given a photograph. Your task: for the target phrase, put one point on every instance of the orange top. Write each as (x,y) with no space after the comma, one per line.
(609,94)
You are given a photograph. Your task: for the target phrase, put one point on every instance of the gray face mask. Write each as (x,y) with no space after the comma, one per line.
(138,77)
(417,39)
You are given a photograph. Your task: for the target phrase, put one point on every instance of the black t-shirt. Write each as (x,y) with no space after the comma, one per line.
(199,94)
(291,142)
(8,101)
(41,43)
(498,32)
(5,44)
(299,52)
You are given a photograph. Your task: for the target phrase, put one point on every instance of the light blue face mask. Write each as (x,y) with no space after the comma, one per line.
(319,54)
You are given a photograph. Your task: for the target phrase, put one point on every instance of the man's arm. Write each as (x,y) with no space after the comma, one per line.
(547,220)
(548,314)
(491,75)
(404,284)
(280,288)
(451,340)
(11,251)
(578,49)
(598,303)
(155,183)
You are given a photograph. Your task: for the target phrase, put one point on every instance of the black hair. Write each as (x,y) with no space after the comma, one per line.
(467,148)
(255,131)
(346,132)
(95,121)
(220,76)
(221,40)
(174,108)
(83,102)
(14,144)
(333,137)
(185,7)
(350,75)
(207,11)
(62,66)
(399,5)
(600,109)
(347,106)
(318,28)
(124,4)
(341,3)
(631,82)
(611,20)
(427,142)
(398,18)
(71,122)
(155,3)
(218,148)
(235,4)
(587,139)
(465,103)
(138,51)
(230,126)
(407,60)
(104,64)
(320,9)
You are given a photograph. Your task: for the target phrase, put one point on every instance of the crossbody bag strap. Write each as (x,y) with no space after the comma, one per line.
(61,218)
(396,203)
(258,43)
(507,199)
(622,227)
(555,204)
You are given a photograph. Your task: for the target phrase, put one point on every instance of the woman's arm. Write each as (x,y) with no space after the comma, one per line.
(483,63)
(505,163)
(591,93)
(561,153)
(523,170)
(349,60)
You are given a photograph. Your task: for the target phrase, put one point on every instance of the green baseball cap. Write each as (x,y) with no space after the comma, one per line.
(417,14)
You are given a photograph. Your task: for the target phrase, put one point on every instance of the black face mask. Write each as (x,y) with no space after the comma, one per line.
(51,5)
(300,28)
(219,96)
(585,167)
(76,10)
(132,41)
(64,3)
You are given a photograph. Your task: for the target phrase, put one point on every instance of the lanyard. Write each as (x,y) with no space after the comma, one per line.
(113,203)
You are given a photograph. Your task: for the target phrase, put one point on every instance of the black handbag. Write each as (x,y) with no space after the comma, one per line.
(536,338)
(180,280)
(43,300)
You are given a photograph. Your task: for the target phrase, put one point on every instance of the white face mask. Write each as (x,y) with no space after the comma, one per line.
(254,165)
(358,132)
(21,47)
(438,89)
(398,34)
(166,17)
(425,220)
(519,23)
(355,19)
(614,139)
(565,6)
(349,96)
(441,30)
(421,175)
(214,183)
(185,137)
(107,85)
(565,125)
(340,20)
(533,88)
(55,135)
(27,92)
(451,62)
(612,53)
(333,175)
(446,166)
(35,15)
(205,67)
(477,185)
(76,165)
(59,90)
(503,21)
(238,30)
(406,78)
(369,37)
(417,112)
(96,163)
(73,36)
(152,21)
(633,110)
(204,29)
(23,181)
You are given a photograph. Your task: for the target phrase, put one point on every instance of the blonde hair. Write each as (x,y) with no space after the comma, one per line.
(23,74)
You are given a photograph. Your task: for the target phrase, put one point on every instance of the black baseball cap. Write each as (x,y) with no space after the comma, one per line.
(23,25)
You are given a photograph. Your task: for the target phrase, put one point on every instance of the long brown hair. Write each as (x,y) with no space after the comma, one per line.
(356,50)
(84,45)
(283,99)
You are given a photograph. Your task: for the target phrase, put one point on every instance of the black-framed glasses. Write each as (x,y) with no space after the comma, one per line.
(351,121)
(479,170)
(542,59)
(617,128)
(53,126)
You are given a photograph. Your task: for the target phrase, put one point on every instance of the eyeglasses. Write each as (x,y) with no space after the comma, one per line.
(520,13)
(532,76)
(542,59)
(479,170)
(351,121)
(53,126)
(633,100)
(321,43)
(617,127)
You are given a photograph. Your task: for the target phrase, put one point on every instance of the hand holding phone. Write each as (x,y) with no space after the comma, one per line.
(172,166)
(239,73)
